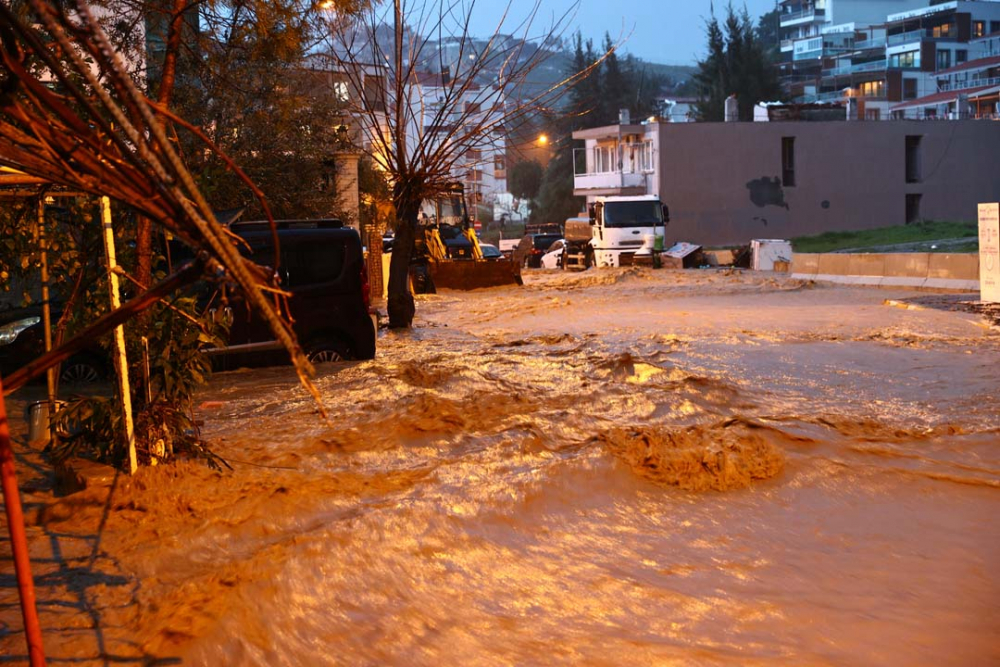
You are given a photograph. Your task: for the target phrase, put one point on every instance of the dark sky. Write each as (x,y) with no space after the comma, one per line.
(663,31)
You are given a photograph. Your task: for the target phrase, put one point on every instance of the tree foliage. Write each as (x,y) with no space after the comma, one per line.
(737,63)
(524,179)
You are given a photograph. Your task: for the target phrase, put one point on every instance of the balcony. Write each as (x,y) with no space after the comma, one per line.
(786,45)
(968,83)
(905,37)
(807,14)
(611,182)
(873,43)
(873,66)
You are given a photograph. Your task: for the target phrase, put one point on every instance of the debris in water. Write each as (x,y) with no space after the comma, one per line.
(722,456)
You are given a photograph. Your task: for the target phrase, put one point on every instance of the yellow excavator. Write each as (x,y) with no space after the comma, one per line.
(446,251)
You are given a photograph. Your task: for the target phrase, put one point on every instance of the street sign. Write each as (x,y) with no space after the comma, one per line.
(989,252)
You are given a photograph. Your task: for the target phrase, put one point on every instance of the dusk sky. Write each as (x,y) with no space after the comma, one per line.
(663,31)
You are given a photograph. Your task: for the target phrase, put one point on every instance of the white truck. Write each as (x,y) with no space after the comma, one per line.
(616,230)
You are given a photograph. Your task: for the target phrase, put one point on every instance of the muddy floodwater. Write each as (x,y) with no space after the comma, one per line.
(619,467)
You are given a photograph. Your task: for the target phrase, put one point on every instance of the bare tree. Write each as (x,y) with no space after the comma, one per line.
(482,87)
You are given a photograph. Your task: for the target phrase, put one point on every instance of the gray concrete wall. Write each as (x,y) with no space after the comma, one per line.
(723,180)
(936,271)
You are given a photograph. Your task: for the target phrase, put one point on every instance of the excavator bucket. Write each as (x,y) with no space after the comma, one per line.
(473,274)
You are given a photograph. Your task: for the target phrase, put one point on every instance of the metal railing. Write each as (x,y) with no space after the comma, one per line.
(903,38)
(873,43)
(873,66)
(968,83)
(808,13)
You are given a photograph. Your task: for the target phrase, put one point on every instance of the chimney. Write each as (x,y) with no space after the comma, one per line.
(732,109)
(623,117)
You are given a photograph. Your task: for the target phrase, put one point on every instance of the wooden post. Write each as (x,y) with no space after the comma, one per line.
(50,374)
(19,543)
(121,361)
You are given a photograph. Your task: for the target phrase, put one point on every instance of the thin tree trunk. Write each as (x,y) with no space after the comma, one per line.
(400,302)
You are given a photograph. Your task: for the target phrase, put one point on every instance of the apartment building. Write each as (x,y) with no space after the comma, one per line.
(727,183)
(814,30)
(887,65)
(482,165)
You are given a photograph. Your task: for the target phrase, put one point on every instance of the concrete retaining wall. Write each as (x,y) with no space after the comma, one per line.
(929,270)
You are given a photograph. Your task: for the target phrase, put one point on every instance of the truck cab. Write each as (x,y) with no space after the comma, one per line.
(616,229)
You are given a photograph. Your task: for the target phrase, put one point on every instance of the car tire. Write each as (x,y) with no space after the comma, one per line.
(81,370)
(324,351)
(588,259)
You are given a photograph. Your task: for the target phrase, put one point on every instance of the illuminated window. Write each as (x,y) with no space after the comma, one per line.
(978,29)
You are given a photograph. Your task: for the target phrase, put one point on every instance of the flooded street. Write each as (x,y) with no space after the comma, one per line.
(618,467)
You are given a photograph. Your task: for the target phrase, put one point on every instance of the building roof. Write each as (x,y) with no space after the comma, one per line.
(945,97)
(971,64)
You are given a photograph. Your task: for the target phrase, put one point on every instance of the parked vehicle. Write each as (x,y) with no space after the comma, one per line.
(552,259)
(322,267)
(540,244)
(614,231)
(490,251)
(22,339)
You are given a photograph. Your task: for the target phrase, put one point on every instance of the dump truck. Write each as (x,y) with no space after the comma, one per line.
(615,231)
(446,250)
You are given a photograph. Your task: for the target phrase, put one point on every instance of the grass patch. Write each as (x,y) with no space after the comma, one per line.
(929,230)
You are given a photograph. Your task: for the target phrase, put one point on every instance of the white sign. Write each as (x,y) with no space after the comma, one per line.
(989,252)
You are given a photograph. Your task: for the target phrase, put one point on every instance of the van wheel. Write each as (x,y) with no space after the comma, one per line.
(328,350)
(588,259)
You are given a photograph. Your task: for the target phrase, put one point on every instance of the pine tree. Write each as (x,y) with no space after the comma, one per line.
(737,64)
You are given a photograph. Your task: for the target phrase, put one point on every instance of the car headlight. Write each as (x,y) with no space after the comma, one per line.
(10,331)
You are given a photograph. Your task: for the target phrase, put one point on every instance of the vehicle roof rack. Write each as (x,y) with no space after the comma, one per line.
(324,223)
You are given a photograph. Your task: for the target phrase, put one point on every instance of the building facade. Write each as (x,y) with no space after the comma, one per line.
(885,63)
(728,183)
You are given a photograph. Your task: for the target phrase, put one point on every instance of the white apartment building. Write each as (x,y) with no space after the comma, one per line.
(617,160)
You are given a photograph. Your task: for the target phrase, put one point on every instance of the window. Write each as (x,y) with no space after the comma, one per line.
(961,55)
(978,29)
(908,59)
(943,59)
(873,114)
(994,27)
(646,156)
(603,159)
(913,159)
(872,88)
(912,208)
(500,162)
(788,161)
(909,89)
(941,30)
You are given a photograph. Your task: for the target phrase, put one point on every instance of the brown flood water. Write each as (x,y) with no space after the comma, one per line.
(622,467)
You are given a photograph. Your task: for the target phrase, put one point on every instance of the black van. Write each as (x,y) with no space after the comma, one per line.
(322,266)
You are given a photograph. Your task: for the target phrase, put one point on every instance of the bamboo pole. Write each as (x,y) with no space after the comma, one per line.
(19,543)
(50,374)
(120,359)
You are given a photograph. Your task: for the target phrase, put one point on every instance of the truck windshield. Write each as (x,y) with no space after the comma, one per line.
(632,213)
